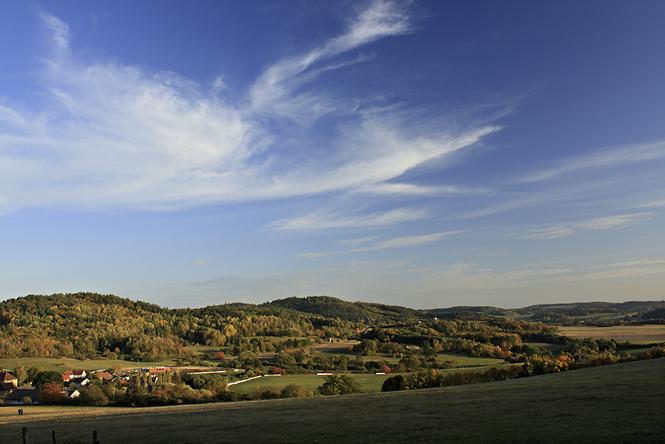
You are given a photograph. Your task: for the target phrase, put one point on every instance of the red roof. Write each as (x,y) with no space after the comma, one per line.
(7,377)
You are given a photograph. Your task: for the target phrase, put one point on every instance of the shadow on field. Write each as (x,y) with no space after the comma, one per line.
(612,404)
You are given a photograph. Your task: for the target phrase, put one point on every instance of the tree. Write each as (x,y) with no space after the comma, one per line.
(394,383)
(43,378)
(51,393)
(34,371)
(293,391)
(285,360)
(20,373)
(93,395)
(339,385)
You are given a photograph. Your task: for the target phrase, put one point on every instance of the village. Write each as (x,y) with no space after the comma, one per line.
(73,382)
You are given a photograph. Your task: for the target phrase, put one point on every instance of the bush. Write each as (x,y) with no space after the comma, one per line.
(339,385)
(293,391)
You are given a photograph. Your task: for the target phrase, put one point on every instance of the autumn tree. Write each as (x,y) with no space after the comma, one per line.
(51,393)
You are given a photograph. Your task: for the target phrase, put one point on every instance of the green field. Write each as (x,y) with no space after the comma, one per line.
(611,404)
(62,364)
(370,382)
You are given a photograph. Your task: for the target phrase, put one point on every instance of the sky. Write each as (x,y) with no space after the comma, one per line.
(416,153)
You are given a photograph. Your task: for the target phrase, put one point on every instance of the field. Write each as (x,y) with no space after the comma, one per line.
(369,382)
(611,404)
(62,364)
(637,334)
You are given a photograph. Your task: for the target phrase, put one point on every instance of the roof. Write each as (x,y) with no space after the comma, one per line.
(17,395)
(7,386)
(5,376)
(104,375)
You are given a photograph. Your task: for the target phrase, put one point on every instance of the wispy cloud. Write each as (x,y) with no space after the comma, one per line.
(274,90)
(116,135)
(547,233)
(321,220)
(604,158)
(397,242)
(631,263)
(601,223)
(614,222)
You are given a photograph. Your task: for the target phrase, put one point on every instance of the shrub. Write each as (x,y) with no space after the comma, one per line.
(339,385)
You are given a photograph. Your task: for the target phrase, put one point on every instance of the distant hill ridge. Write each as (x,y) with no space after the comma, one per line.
(91,324)
(326,307)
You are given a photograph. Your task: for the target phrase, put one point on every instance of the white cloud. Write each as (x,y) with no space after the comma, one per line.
(273,90)
(614,222)
(605,158)
(356,242)
(321,220)
(601,223)
(408,241)
(547,233)
(117,135)
(630,263)
(397,242)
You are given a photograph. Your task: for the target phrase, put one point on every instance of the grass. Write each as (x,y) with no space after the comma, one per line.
(61,364)
(637,334)
(612,404)
(369,383)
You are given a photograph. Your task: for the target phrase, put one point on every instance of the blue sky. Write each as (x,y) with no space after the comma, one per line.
(425,154)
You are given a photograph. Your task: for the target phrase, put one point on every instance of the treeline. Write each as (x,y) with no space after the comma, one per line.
(434,378)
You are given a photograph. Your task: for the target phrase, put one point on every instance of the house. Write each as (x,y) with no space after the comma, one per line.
(71,393)
(7,381)
(105,376)
(79,382)
(17,396)
(68,375)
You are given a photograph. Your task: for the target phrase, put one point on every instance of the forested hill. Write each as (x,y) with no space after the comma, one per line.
(90,324)
(329,307)
(570,313)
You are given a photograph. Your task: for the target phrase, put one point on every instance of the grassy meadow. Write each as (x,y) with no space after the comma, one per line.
(637,334)
(611,404)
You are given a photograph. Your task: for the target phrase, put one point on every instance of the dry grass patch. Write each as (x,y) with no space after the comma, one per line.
(620,333)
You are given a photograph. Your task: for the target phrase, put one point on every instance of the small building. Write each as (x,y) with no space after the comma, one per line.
(80,382)
(7,379)
(17,396)
(71,393)
(68,375)
(106,376)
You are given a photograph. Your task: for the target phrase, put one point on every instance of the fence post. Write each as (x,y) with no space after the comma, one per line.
(25,435)
(94,437)
(53,436)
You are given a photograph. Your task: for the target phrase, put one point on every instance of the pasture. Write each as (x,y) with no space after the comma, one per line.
(611,404)
(62,364)
(636,334)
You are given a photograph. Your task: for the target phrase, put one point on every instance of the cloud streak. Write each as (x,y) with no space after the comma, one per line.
(615,222)
(605,158)
(116,135)
(397,242)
